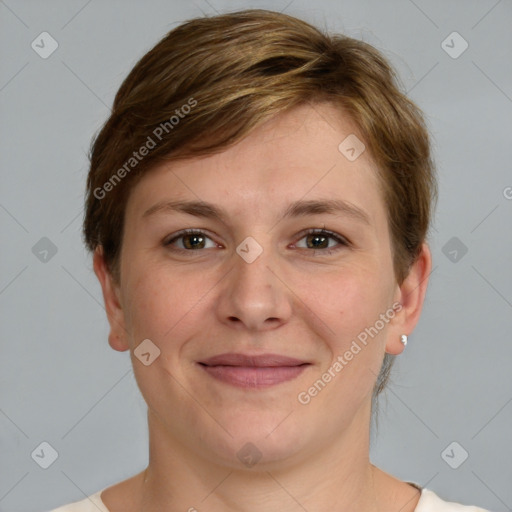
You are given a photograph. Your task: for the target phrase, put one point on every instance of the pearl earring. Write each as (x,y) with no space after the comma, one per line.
(403,339)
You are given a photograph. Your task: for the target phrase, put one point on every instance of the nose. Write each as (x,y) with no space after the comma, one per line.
(254,296)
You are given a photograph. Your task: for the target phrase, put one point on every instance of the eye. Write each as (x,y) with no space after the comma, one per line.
(321,239)
(316,239)
(190,240)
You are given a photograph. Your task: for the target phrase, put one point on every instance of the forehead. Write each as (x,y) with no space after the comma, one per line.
(295,155)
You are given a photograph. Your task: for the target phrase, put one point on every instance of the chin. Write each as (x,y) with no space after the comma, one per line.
(258,441)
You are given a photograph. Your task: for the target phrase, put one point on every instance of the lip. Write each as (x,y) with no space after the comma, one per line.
(253,371)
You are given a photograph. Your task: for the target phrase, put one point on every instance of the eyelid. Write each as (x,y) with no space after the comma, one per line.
(188,231)
(343,241)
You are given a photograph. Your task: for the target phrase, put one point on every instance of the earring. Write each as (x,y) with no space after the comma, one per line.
(403,339)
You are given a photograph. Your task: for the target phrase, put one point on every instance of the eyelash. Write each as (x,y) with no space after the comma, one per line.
(313,231)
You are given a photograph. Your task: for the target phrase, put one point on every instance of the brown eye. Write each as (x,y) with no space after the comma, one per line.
(322,239)
(317,241)
(190,241)
(193,241)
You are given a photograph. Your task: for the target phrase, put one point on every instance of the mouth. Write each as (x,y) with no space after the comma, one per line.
(253,371)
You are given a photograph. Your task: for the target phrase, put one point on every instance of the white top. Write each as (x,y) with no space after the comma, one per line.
(429,502)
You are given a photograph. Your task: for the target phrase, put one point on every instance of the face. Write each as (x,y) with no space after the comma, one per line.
(256,315)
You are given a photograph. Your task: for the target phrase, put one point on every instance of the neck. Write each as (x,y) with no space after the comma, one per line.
(336,474)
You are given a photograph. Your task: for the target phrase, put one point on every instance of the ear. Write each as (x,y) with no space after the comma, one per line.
(117,337)
(411,295)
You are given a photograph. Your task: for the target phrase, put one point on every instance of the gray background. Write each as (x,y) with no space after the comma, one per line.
(59,380)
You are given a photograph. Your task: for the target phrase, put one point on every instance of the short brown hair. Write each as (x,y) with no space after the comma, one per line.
(212,80)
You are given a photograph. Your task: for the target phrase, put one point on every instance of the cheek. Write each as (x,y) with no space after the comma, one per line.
(351,303)
(148,308)
(349,299)
(161,301)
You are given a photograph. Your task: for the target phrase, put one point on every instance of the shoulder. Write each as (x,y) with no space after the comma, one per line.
(431,502)
(92,503)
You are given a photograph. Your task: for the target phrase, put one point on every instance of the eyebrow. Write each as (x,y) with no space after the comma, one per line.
(299,208)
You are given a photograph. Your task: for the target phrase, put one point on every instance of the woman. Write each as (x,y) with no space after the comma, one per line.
(257,208)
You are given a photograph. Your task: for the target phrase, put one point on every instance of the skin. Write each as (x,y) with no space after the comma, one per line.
(292,300)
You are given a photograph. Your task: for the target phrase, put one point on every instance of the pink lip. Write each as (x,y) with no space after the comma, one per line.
(248,371)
